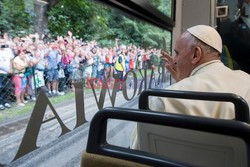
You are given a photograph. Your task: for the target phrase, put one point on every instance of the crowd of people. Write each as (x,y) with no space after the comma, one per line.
(33,62)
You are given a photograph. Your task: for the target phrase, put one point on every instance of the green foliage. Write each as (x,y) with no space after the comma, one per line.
(163,5)
(92,21)
(14,111)
(132,31)
(14,19)
(81,17)
(87,20)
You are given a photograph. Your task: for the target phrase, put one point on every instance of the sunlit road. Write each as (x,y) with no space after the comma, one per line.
(65,150)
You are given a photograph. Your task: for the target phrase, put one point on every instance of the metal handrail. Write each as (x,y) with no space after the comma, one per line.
(97,143)
(241,106)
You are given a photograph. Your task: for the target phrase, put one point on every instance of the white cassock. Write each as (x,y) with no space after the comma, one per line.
(213,76)
(209,77)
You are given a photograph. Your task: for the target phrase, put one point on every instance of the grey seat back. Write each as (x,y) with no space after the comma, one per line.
(190,146)
(238,135)
(193,147)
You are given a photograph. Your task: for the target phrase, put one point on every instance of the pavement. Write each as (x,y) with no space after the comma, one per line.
(67,149)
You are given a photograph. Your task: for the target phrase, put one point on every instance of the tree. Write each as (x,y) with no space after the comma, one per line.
(92,21)
(14,19)
(132,31)
(83,18)
(164,6)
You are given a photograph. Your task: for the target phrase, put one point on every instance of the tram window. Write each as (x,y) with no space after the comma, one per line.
(79,31)
(164,6)
(120,132)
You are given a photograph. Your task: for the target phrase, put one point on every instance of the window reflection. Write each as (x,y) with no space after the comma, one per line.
(235,33)
(165,6)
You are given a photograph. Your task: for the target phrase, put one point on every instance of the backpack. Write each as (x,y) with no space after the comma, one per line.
(120,59)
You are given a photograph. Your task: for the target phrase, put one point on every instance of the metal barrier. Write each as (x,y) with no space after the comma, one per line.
(7,88)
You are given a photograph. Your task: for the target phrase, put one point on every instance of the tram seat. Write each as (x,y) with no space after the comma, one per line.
(96,160)
(191,146)
(101,153)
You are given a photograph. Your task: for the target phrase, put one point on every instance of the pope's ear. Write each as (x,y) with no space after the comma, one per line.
(197,55)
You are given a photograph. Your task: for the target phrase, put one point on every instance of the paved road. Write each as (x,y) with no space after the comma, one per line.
(65,150)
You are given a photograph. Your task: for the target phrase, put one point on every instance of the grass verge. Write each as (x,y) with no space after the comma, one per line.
(16,111)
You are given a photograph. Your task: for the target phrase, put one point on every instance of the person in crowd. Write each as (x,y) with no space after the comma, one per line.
(131,59)
(154,62)
(20,63)
(83,62)
(88,66)
(146,60)
(100,64)
(6,56)
(127,59)
(109,63)
(76,71)
(39,69)
(139,60)
(132,62)
(120,64)
(53,59)
(95,57)
(29,72)
(62,44)
(197,67)
(67,58)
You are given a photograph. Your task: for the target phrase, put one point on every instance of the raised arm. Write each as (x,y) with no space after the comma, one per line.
(170,65)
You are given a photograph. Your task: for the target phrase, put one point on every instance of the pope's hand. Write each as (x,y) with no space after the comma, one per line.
(170,65)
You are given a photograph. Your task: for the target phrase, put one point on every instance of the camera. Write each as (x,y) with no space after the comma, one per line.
(27,51)
(82,61)
(4,46)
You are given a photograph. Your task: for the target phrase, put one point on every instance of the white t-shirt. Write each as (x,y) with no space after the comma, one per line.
(20,62)
(5,60)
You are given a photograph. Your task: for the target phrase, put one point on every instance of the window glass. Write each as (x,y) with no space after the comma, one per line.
(165,6)
(62,61)
(235,33)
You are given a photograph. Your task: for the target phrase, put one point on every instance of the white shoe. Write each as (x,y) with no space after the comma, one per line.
(7,105)
(50,94)
(20,104)
(25,101)
(2,107)
(61,93)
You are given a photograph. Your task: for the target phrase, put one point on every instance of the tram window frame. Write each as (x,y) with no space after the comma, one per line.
(143,10)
